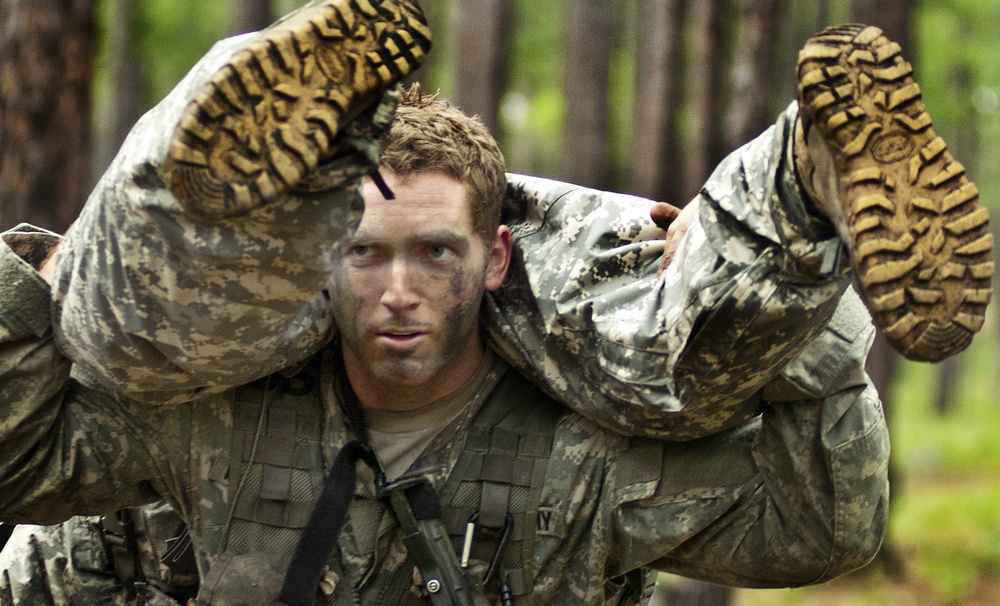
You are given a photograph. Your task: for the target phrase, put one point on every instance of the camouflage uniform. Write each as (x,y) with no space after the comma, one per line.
(750,318)
(746,346)
(168,307)
(73,564)
(796,495)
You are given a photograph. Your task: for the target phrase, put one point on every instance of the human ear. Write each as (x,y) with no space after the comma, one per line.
(499,260)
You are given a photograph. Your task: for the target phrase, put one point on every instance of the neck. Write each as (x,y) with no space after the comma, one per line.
(380,393)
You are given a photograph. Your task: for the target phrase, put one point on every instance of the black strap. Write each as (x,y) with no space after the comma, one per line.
(5,531)
(120,537)
(319,537)
(382,186)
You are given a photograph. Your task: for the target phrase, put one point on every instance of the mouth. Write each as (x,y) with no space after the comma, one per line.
(400,337)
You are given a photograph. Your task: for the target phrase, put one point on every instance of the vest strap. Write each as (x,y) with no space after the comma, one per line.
(319,537)
(418,510)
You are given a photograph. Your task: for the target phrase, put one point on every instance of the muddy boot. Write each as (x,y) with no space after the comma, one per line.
(868,156)
(272,113)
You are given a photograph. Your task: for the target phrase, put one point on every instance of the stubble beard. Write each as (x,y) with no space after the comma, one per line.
(419,367)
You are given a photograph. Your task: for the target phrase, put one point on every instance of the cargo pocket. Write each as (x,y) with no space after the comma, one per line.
(249,578)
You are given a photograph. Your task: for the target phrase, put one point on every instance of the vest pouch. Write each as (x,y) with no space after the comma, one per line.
(241,579)
(154,597)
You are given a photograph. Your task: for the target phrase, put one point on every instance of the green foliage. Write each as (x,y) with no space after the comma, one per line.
(951,525)
(956,62)
(170,36)
(533,107)
(946,509)
(173,35)
(536,60)
(963,440)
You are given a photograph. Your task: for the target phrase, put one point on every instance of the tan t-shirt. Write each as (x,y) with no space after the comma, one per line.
(400,437)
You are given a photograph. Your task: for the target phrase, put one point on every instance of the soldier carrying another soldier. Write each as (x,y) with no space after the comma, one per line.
(365,365)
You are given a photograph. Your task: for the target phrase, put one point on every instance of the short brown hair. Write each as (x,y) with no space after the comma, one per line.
(429,134)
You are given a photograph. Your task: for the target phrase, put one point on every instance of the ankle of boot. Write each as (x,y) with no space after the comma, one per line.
(818,176)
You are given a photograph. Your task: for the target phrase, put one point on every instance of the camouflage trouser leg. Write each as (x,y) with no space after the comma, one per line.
(815,506)
(153,301)
(166,307)
(685,354)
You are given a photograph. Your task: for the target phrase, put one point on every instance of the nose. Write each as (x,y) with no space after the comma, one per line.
(399,294)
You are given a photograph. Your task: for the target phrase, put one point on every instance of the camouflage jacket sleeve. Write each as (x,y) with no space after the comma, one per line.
(64,451)
(166,307)
(684,354)
(799,496)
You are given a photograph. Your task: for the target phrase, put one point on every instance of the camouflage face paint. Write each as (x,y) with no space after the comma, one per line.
(408,291)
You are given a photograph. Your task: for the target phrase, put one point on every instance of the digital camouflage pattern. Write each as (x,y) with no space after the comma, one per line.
(202,292)
(71,564)
(795,496)
(586,314)
(747,348)
(745,506)
(186,307)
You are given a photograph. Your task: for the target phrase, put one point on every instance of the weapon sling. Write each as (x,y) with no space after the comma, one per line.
(415,504)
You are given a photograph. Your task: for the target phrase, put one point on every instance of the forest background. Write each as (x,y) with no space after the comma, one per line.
(642,96)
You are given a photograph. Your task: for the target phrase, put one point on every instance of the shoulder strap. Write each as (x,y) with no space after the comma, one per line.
(120,536)
(493,494)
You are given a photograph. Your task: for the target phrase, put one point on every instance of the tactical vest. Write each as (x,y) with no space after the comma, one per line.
(489,502)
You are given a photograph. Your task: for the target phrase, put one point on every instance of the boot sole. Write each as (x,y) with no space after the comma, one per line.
(273,111)
(921,243)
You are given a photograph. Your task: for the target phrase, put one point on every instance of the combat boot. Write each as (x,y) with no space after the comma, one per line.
(272,112)
(867,155)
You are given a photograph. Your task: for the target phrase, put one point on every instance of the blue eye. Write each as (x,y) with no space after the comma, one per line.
(360,250)
(440,251)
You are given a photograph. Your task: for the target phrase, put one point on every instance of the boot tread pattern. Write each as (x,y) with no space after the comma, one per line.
(268,116)
(921,242)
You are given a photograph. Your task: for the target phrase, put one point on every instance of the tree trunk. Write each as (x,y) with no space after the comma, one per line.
(964,143)
(482,32)
(654,170)
(752,72)
(46,65)
(589,39)
(702,151)
(126,84)
(893,16)
(251,15)
(822,14)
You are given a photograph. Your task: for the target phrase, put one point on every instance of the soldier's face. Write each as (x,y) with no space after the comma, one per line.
(408,289)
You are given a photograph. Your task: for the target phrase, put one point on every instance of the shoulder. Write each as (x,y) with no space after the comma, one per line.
(586,437)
